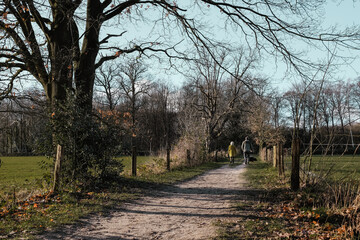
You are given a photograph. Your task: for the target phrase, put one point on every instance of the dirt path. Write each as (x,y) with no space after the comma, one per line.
(183,211)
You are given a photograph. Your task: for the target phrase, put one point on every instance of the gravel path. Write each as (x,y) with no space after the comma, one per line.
(183,211)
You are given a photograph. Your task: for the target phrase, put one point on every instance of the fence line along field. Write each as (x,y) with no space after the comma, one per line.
(336,166)
(26,173)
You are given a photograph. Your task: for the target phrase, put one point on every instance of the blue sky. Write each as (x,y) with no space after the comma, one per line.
(336,13)
(341,14)
(345,13)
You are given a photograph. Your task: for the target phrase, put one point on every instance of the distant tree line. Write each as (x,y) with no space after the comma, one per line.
(328,116)
(206,111)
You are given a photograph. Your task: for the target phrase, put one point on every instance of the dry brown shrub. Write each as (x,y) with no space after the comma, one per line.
(189,151)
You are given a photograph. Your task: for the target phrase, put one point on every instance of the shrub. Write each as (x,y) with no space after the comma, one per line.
(90,142)
(190,151)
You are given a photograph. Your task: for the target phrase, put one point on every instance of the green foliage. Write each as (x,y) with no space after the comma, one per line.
(90,142)
(161,162)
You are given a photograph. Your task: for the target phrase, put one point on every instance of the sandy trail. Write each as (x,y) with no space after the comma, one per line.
(183,211)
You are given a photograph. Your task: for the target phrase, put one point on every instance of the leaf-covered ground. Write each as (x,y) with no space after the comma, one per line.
(283,221)
(274,212)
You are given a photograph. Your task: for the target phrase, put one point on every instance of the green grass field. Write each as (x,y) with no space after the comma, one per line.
(338,166)
(26,172)
(21,172)
(140,161)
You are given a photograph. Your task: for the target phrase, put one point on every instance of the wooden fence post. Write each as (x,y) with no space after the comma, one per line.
(133,161)
(279,159)
(58,161)
(266,154)
(269,155)
(168,158)
(282,161)
(275,156)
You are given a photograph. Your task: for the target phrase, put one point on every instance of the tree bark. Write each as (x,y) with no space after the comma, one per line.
(295,169)
(168,158)
(133,161)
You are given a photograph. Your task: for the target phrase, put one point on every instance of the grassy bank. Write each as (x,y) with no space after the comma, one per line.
(274,212)
(25,219)
(25,175)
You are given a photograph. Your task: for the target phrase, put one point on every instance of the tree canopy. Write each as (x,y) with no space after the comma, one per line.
(61,43)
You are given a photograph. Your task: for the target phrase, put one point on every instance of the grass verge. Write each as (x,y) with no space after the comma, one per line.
(274,212)
(26,219)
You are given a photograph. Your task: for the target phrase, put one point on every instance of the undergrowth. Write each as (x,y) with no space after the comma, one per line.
(326,210)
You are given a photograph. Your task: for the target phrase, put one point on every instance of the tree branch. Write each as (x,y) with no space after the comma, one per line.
(105,40)
(5,93)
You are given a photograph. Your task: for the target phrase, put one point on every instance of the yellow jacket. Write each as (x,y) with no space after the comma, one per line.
(232,151)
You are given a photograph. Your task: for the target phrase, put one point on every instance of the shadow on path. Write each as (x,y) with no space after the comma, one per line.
(168,208)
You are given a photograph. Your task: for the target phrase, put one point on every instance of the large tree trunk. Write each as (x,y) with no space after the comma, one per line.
(85,68)
(69,65)
(62,41)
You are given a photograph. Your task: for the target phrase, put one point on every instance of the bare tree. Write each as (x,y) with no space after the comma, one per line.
(44,38)
(219,93)
(62,43)
(158,116)
(133,85)
(108,86)
(21,123)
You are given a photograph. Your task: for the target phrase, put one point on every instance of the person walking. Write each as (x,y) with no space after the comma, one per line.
(247,148)
(232,152)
